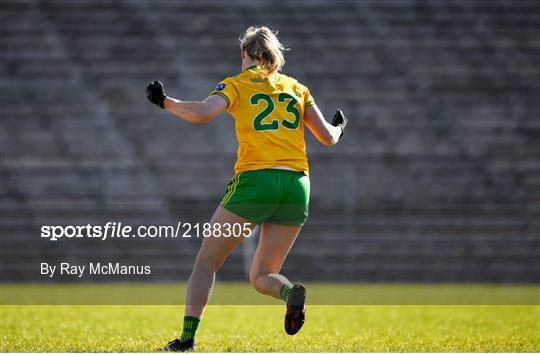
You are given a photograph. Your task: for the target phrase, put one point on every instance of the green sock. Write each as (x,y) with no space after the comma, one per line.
(190,327)
(284,292)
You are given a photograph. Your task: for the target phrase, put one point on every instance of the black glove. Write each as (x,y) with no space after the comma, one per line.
(340,121)
(155,92)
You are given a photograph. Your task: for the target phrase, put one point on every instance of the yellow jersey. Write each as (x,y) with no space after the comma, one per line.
(268,110)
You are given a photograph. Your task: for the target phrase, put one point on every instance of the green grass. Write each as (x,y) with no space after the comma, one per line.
(259,328)
(236,293)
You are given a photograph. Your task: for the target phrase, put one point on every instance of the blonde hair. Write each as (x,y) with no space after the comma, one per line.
(262,44)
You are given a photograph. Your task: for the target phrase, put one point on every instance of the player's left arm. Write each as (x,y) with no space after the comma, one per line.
(327,134)
(198,112)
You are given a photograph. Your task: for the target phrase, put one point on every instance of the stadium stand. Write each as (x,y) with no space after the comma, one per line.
(437,179)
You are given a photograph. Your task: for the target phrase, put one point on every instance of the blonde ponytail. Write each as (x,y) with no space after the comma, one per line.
(262,44)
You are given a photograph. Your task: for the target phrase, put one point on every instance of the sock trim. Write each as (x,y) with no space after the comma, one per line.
(191,324)
(284,292)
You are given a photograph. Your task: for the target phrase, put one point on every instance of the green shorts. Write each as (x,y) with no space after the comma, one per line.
(270,195)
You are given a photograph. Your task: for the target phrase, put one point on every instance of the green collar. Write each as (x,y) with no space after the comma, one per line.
(252,67)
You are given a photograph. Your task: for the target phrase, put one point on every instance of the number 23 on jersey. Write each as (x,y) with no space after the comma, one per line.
(261,123)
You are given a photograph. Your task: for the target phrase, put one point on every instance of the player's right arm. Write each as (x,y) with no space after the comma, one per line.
(195,111)
(198,112)
(327,134)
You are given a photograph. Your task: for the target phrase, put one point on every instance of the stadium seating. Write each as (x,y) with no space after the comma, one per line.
(437,178)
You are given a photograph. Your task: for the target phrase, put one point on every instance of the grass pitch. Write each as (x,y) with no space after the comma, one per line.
(259,328)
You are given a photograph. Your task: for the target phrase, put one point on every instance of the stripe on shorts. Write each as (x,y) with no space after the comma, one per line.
(230,193)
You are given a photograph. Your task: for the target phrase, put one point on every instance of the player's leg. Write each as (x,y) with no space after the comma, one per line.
(212,254)
(277,237)
(279,232)
(210,258)
(275,242)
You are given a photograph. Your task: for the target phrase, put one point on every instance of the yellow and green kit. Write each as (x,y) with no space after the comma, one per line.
(271,195)
(271,183)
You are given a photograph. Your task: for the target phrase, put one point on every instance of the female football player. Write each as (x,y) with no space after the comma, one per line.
(271,184)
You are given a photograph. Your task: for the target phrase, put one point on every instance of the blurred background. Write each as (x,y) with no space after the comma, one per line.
(436,180)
